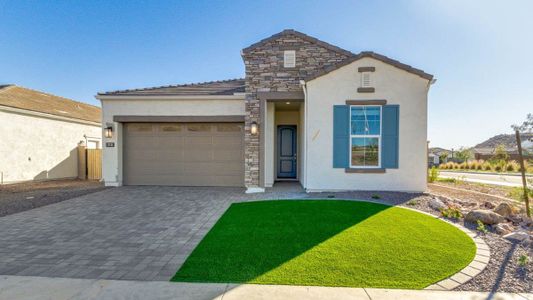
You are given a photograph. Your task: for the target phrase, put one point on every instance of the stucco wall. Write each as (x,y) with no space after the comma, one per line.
(39,148)
(392,84)
(112,156)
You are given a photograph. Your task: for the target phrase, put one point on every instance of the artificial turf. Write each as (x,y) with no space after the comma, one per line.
(327,243)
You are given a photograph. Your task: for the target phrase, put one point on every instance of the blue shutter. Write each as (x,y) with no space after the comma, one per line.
(341,136)
(390,136)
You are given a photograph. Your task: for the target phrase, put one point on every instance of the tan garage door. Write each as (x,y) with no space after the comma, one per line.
(183,154)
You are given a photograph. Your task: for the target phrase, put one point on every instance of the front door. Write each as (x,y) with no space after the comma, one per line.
(287,151)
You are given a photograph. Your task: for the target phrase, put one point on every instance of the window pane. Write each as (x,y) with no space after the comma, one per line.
(365,120)
(365,152)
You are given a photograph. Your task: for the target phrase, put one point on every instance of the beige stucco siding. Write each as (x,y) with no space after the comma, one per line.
(112,156)
(392,84)
(40,148)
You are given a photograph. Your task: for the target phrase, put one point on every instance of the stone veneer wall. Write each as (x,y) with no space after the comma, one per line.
(265,73)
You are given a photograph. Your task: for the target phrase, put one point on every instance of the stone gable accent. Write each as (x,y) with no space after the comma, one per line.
(265,73)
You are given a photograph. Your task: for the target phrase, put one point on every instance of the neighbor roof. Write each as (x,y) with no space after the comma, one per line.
(31,100)
(211,88)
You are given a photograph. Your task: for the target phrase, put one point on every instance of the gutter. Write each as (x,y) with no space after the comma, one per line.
(170,97)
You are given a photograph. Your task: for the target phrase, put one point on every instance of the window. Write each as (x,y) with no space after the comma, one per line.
(365,136)
(365,80)
(289,58)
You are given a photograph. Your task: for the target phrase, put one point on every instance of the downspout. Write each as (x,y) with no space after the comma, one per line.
(304,87)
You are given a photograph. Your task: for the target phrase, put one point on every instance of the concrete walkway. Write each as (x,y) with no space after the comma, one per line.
(41,288)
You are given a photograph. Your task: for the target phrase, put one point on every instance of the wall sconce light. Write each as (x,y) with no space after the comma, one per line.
(253,128)
(108,132)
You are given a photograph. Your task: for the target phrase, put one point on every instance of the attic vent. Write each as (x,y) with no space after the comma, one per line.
(289,58)
(365,80)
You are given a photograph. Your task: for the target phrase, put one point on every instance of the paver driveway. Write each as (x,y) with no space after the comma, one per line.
(134,233)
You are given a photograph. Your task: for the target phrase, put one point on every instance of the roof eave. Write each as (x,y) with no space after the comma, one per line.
(104,96)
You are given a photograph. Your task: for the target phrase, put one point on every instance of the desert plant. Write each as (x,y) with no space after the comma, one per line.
(487,166)
(523,260)
(451,213)
(443,166)
(412,202)
(433,174)
(498,167)
(481,227)
(512,166)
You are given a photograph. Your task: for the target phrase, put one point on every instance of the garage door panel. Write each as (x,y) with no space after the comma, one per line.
(186,154)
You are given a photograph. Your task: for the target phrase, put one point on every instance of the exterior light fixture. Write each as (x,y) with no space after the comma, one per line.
(108,132)
(253,128)
(287,103)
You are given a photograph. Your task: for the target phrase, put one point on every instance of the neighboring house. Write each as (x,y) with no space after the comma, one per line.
(40,133)
(433,160)
(438,155)
(306,111)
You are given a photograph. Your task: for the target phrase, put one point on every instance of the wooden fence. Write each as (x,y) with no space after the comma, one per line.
(94,164)
(89,163)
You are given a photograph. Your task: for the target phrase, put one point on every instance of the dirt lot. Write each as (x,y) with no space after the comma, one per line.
(19,197)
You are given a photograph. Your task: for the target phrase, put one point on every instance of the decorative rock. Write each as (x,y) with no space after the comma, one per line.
(503,229)
(488,205)
(517,236)
(485,216)
(504,209)
(437,204)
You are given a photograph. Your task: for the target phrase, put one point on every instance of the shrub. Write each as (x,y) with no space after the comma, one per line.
(498,168)
(433,174)
(451,213)
(462,165)
(376,196)
(412,202)
(472,165)
(443,166)
(517,193)
(481,227)
(487,166)
(523,260)
(512,166)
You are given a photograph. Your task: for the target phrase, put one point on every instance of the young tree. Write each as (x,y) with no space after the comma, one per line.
(500,153)
(525,127)
(463,154)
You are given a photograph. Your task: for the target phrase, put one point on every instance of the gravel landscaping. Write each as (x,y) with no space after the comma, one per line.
(504,273)
(19,197)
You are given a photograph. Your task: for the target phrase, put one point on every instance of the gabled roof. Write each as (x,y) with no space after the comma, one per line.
(211,88)
(303,36)
(374,55)
(31,100)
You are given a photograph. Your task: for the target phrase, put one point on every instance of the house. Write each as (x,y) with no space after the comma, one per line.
(306,111)
(40,134)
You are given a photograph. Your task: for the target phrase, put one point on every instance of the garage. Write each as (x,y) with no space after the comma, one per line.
(183,154)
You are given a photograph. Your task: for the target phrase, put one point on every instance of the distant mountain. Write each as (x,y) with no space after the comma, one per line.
(508,140)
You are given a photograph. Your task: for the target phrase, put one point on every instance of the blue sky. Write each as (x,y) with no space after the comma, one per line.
(479,51)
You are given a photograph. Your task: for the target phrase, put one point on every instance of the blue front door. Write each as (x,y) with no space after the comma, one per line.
(287,151)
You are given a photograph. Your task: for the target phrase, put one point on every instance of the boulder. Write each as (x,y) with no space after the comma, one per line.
(485,216)
(504,209)
(517,236)
(488,205)
(437,204)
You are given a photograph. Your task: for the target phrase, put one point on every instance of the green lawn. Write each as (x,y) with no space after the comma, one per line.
(327,243)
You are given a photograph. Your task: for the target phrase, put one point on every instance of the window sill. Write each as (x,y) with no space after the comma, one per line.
(365,170)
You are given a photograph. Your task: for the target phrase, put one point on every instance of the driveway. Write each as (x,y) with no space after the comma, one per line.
(128,233)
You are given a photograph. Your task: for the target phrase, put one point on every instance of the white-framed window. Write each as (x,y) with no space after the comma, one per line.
(289,58)
(365,136)
(366,80)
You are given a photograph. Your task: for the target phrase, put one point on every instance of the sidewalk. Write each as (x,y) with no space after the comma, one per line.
(22,287)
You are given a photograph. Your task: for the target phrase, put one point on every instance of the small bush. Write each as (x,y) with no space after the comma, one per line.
(441,179)
(412,202)
(443,166)
(487,166)
(498,168)
(481,227)
(376,196)
(451,213)
(523,260)
(433,174)
(517,193)
(512,166)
